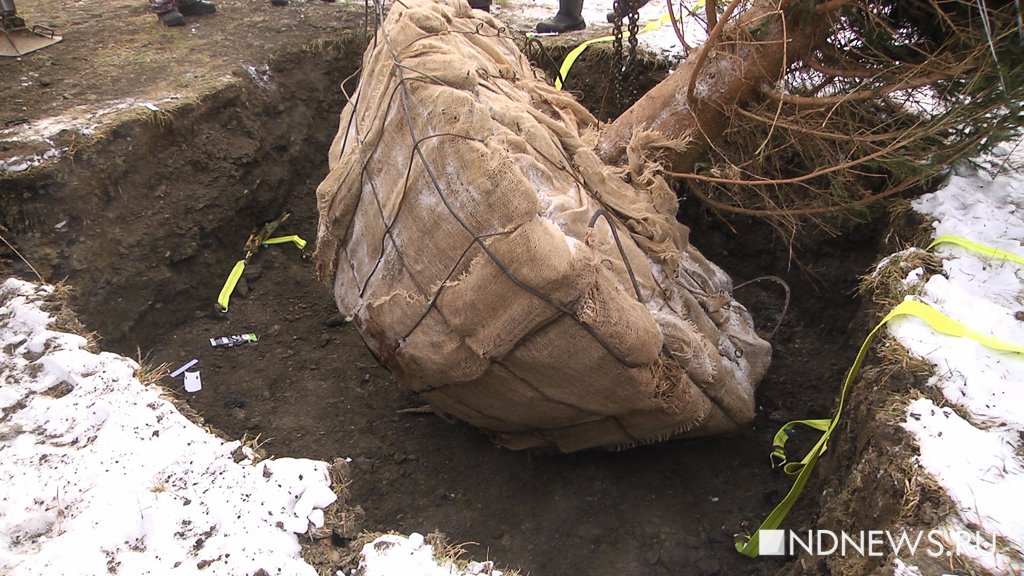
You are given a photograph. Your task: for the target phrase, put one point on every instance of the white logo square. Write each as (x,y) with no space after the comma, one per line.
(771,542)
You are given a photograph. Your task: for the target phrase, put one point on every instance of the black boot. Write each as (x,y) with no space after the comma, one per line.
(568,19)
(171,18)
(197,8)
(484,5)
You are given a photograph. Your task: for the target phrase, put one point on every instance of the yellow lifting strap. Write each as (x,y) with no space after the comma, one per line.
(299,242)
(236,272)
(937,321)
(982,249)
(570,58)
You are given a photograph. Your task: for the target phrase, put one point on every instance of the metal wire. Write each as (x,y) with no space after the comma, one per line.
(477,238)
(785,304)
(601,212)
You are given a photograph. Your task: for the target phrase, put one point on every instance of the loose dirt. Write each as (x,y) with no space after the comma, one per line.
(145,215)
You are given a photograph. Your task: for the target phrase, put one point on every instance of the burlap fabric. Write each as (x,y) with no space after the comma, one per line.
(466,225)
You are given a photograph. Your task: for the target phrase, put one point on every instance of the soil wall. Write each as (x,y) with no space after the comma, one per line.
(138,219)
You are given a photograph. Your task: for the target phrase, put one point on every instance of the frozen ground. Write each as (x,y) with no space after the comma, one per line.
(99,472)
(972,443)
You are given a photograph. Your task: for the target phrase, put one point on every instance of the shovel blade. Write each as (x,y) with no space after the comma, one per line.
(21,41)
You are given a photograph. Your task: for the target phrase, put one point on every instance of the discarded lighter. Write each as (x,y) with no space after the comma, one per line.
(233,340)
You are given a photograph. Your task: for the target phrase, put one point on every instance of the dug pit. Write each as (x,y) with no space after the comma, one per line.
(145,223)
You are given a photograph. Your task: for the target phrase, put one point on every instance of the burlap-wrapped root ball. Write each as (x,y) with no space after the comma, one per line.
(466,225)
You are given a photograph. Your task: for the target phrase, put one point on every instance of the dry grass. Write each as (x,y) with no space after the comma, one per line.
(149,373)
(447,553)
(255,445)
(894,357)
(886,285)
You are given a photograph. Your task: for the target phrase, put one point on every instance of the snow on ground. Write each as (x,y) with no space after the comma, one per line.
(43,133)
(973,444)
(100,473)
(659,38)
(396,555)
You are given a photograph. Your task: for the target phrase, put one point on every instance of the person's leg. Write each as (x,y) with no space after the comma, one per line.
(568,18)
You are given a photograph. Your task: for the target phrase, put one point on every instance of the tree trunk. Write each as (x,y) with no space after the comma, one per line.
(750,51)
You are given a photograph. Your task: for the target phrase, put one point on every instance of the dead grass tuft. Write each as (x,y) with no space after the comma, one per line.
(894,357)
(148,373)
(886,285)
(255,445)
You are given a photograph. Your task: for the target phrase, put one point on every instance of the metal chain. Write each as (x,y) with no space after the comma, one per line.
(629,73)
(634,32)
(618,9)
(624,64)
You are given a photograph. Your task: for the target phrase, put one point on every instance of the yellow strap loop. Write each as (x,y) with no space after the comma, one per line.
(229,285)
(299,242)
(937,321)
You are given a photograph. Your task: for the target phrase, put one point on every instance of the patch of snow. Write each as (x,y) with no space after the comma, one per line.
(974,452)
(41,133)
(985,476)
(17,164)
(261,75)
(393,555)
(901,569)
(101,474)
(913,278)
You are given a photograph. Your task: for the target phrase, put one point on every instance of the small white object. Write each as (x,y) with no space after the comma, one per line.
(187,365)
(151,107)
(317,518)
(193,383)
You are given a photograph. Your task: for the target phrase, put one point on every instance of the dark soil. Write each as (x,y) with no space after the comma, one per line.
(157,210)
(309,388)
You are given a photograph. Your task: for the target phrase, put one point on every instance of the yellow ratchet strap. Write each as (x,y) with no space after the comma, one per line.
(936,321)
(236,272)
